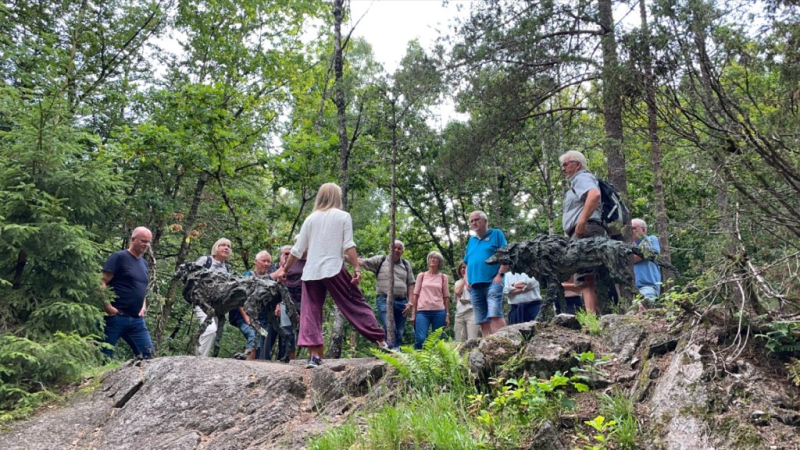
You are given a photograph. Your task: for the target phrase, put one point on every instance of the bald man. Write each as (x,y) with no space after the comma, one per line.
(125,273)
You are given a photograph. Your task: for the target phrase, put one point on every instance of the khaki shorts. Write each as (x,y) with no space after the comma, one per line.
(593,229)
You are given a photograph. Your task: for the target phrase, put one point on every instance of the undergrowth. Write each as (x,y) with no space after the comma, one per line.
(30,372)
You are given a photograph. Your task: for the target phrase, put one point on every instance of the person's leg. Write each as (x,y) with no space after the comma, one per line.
(206,341)
(472,329)
(311,316)
(494,302)
(574,303)
(478,297)
(113,329)
(531,311)
(589,295)
(460,328)
(289,341)
(354,306)
(399,321)
(514,315)
(438,319)
(421,325)
(249,334)
(137,336)
(380,306)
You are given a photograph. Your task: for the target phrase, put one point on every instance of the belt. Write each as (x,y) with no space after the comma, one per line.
(594,221)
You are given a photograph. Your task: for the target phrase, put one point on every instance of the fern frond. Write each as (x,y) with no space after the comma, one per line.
(793,367)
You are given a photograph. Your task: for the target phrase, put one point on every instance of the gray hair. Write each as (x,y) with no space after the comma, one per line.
(639,223)
(398,241)
(286,247)
(438,256)
(573,155)
(219,242)
(262,253)
(482,215)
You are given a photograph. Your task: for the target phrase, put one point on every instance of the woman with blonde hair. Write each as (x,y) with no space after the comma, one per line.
(431,301)
(327,236)
(220,252)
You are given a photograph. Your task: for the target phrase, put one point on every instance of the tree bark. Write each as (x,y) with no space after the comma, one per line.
(655,143)
(169,298)
(337,336)
(612,101)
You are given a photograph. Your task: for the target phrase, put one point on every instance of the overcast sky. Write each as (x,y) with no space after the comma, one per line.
(389,24)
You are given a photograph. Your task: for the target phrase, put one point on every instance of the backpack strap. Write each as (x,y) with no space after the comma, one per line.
(207,264)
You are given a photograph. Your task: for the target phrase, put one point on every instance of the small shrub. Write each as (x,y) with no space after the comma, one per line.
(784,337)
(590,322)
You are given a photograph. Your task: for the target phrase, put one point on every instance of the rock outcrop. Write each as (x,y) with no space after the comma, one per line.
(689,394)
(191,402)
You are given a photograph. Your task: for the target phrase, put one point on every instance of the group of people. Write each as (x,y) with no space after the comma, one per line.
(315,266)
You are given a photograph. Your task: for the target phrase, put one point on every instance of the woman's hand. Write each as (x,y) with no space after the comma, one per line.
(447,320)
(413,317)
(356,278)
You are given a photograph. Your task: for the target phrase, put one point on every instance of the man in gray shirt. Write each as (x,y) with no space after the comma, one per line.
(582,214)
(403,284)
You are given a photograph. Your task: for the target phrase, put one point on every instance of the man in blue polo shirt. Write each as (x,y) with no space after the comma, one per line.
(484,281)
(125,273)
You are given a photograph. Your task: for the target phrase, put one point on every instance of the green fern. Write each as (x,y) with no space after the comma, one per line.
(436,367)
(793,367)
(784,337)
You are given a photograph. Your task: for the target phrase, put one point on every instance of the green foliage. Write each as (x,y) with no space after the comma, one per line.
(603,429)
(793,367)
(783,337)
(419,422)
(590,366)
(435,368)
(505,415)
(28,369)
(620,407)
(589,321)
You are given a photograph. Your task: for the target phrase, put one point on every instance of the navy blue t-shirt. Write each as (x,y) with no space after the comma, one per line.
(129,282)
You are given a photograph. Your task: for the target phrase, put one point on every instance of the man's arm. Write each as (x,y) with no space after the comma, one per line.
(110,310)
(589,207)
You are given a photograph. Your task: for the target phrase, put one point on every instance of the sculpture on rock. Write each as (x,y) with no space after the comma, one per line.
(553,259)
(218,293)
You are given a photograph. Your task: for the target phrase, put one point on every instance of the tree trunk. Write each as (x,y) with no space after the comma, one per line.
(390,338)
(337,336)
(655,144)
(612,101)
(169,298)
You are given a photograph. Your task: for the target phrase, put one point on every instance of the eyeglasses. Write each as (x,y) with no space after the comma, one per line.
(143,241)
(567,163)
(475,220)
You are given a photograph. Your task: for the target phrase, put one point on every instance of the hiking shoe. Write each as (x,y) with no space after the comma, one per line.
(239,356)
(387,349)
(313,362)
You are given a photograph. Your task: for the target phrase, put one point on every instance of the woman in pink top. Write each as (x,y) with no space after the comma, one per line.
(431,300)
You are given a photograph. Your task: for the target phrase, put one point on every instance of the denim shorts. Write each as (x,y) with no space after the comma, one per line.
(487,301)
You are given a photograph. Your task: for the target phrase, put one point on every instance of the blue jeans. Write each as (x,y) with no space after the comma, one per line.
(425,320)
(487,301)
(574,303)
(399,305)
(131,329)
(248,332)
(524,312)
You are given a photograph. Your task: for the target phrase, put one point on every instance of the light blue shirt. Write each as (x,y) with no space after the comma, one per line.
(647,272)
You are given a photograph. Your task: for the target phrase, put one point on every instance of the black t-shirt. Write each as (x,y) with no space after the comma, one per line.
(129,282)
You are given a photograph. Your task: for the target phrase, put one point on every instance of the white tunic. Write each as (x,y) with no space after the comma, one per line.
(326,235)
